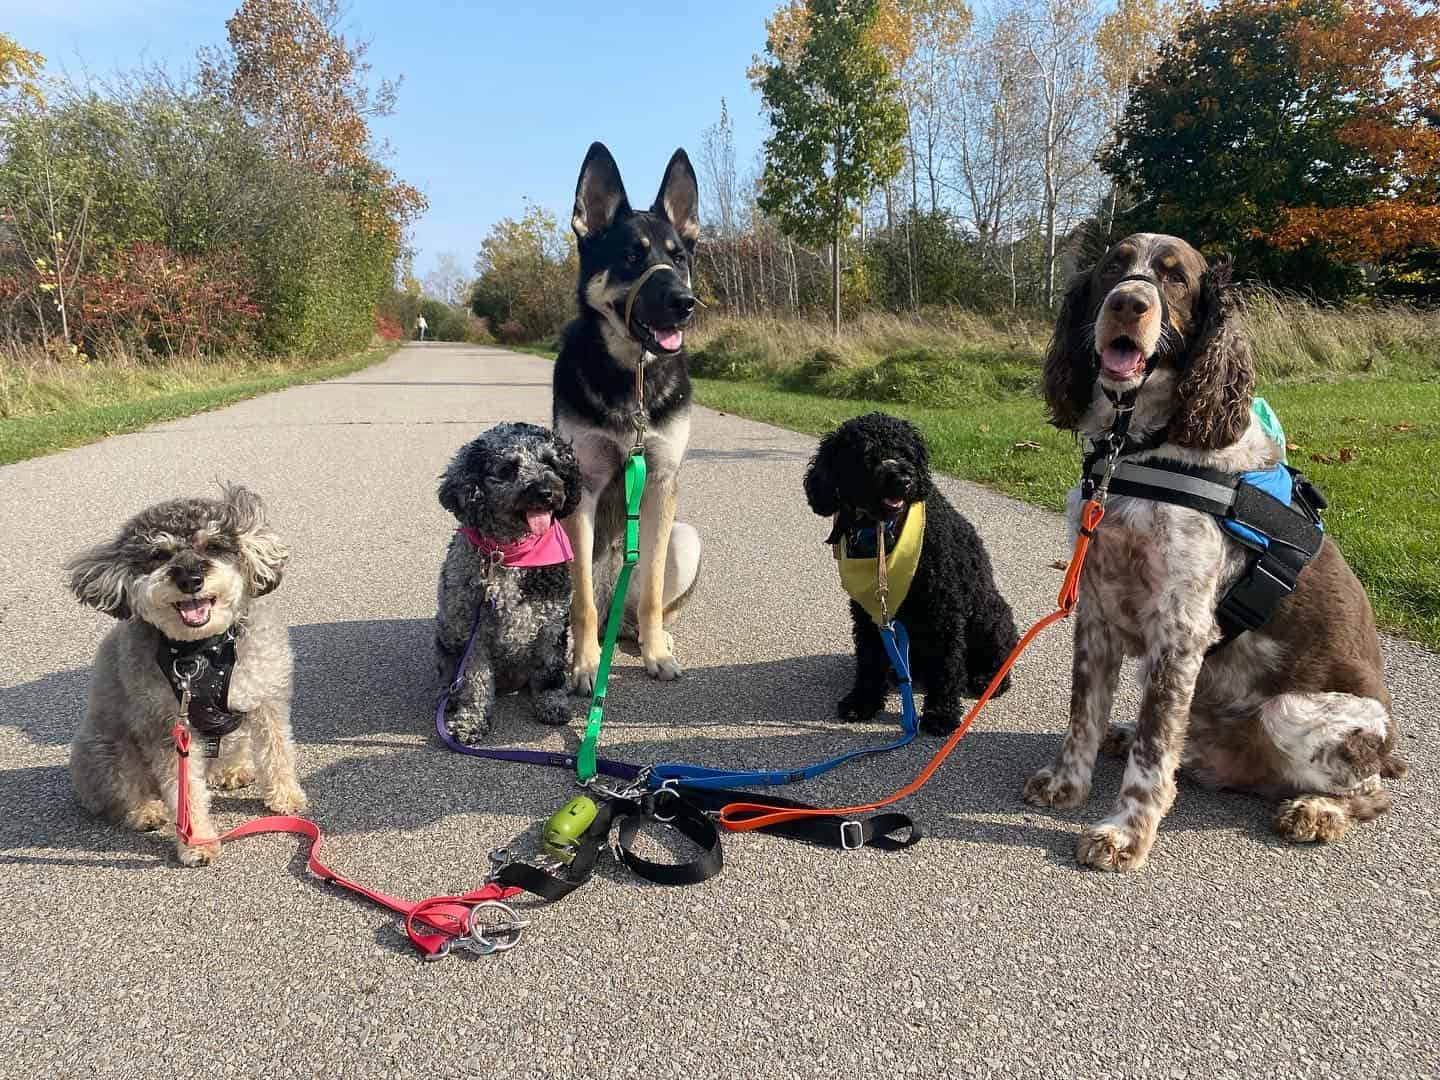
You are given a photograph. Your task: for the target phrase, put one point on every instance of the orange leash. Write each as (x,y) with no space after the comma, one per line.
(744,817)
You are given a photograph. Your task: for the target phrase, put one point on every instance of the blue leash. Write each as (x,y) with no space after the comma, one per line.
(897,645)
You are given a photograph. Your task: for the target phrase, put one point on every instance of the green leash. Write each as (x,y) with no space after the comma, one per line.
(634,489)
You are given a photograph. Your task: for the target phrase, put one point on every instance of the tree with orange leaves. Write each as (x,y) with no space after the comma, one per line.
(1301,135)
(1391,50)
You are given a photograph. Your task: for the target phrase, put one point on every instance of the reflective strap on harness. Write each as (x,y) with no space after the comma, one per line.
(1283,536)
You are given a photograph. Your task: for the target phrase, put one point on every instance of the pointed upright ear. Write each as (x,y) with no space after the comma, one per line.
(679,198)
(1213,399)
(100,578)
(599,194)
(1068,380)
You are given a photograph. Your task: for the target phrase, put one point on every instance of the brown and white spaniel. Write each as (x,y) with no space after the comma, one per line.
(1297,709)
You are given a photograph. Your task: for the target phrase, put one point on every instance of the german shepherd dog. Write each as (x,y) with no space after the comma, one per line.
(635,302)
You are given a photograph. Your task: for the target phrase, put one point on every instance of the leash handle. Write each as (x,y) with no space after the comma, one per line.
(585,757)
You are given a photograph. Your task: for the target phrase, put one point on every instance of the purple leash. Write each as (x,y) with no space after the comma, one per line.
(621,770)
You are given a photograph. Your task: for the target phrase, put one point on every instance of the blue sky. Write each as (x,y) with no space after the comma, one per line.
(500,100)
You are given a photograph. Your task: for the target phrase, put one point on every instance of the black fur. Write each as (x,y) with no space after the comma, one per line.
(593,384)
(961,628)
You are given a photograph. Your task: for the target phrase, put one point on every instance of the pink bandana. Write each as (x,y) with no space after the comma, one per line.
(546,549)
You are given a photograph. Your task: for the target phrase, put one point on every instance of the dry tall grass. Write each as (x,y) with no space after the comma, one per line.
(892,357)
(33,383)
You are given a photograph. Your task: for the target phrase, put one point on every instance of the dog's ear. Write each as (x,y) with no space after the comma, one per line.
(1068,380)
(100,578)
(679,198)
(265,554)
(599,194)
(568,466)
(919,453)
(1214,396)
(460,491)
(821,485)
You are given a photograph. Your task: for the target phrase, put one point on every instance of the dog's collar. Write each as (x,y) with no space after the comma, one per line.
(203,667)
(550,548)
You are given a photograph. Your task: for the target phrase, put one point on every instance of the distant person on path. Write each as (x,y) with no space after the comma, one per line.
(420,327)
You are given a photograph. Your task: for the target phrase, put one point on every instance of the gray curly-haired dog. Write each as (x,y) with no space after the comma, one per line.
(505,576)
(185,580)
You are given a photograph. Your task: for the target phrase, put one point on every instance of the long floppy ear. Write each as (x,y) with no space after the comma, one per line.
(569,470)
(920,458)
(265,554)
(460,491)
(599,194)
(1213,399)
(100,578)
(821,487)
(679,198)
(1068,380)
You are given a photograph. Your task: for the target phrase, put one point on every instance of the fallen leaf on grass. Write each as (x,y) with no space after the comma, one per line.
(1293,446)
(1324,459)
(1347,453)
(1027,445)
(1404,425)
(984,427)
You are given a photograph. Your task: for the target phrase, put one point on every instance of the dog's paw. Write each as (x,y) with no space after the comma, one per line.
(858,708)
(584,668)
(976,686)
(229,777)
(286,799)
(553,708)
(1114,847)
(196,855)
(466,727)
(660,661)
(1064,791)
(1312,819)
(1118,739)
(148,816)
(939,719)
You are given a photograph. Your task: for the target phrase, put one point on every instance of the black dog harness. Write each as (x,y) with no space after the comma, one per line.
(1283,534)
(199,673)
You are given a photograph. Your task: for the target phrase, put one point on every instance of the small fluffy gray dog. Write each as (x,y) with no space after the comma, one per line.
(184,578)
(506,575)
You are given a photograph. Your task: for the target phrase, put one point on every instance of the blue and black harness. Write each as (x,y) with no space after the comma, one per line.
(1275,513)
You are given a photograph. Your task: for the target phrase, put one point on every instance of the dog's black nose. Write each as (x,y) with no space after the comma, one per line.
(548,488)
(682,305)
(189,579)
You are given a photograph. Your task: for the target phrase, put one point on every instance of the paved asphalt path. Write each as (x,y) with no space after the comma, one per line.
(982,951)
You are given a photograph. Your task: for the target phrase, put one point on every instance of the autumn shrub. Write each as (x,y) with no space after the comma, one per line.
(178,305)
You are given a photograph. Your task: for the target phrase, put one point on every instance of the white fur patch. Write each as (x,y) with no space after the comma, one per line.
(1303,725)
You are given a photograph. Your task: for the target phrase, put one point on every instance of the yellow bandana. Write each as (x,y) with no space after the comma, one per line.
(858,575)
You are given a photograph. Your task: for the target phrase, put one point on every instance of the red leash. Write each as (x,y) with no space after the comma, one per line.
(434,924)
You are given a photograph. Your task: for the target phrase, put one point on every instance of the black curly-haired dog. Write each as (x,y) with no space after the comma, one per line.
(507,489)
(873,469)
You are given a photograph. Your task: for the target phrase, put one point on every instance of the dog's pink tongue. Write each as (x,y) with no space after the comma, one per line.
(1121,362)
(669,340)
(539,521)
(194,612)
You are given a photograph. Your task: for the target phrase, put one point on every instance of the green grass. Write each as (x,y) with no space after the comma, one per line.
(547,351)
(976,398)
(47,411)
